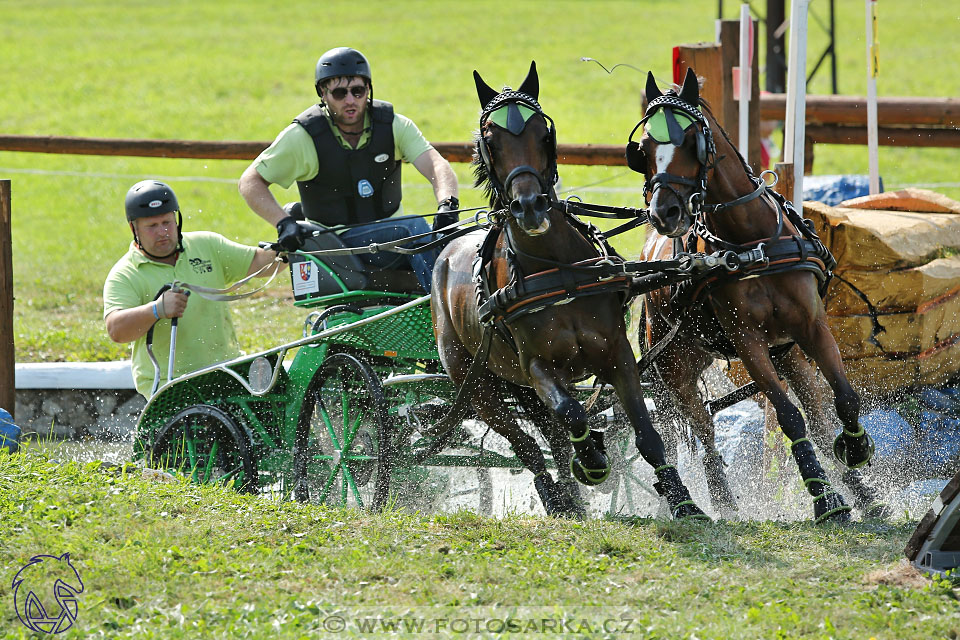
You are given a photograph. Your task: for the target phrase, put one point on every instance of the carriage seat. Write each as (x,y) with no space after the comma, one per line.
(352,272)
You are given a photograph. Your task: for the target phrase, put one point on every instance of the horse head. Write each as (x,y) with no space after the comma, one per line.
(516,156)
(675,154)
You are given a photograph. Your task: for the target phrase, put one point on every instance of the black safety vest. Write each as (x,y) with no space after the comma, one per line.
(352,185)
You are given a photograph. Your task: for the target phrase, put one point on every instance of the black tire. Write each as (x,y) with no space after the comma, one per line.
(206,444)
(343,453)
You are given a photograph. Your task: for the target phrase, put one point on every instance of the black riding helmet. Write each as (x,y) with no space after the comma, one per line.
(342,61)
(152,198)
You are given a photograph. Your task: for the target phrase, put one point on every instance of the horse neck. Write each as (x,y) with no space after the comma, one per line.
(727,181)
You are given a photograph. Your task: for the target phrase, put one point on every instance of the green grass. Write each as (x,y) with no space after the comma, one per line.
(182,561)
(216,70)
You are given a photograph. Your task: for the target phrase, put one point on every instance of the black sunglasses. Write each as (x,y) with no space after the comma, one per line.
(341,92)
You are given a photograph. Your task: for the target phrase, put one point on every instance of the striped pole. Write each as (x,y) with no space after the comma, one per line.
(872,138)
(746,61)
(794,132)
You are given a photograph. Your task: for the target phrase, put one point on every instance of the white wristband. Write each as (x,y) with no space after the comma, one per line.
(154,308)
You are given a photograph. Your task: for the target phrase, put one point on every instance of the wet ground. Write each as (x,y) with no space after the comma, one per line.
(772,493)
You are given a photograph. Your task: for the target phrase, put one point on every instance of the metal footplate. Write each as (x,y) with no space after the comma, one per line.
(935,545)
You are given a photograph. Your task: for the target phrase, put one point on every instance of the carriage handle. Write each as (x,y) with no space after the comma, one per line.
(173,286)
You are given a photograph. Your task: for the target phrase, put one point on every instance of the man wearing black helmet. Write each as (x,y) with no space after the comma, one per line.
(161,254)
(345,155)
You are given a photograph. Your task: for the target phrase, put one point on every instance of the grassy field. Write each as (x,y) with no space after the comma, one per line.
(207,562)
(241,70)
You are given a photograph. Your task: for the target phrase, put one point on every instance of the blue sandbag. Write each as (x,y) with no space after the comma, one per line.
(833,190)
(9,433)
(953,392)
(938,448)
(890,431)
(938,401)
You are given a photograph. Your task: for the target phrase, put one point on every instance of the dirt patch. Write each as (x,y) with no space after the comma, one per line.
(903,574)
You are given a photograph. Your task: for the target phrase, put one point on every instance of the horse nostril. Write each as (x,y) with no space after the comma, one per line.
(516,208)
(541,205)
(673,211)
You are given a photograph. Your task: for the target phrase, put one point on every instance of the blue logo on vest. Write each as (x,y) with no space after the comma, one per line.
(365,189)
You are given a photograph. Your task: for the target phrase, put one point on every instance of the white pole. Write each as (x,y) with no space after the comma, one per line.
(794,133)
(746,61)
(872,137)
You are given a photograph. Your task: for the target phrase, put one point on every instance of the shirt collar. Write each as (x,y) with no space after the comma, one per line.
(364,137)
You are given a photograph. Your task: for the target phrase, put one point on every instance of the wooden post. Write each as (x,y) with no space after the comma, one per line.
(730,49)
(7,358)
(784,186)
(705,60)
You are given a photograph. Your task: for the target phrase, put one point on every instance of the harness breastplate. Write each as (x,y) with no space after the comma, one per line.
(352,185)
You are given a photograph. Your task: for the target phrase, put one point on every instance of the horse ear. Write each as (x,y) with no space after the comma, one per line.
(531,84)
(690,93)
(484,92)
(652,91)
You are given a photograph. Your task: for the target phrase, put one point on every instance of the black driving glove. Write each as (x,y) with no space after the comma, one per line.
(290,235)
(448,212)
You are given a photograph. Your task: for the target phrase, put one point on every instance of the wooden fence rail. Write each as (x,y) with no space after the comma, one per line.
(906,122)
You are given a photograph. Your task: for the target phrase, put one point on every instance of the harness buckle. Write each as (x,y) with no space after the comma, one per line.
(754,257)
(731,261)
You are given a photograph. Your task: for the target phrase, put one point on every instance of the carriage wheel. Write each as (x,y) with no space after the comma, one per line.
(343,453)
(628,491)
(206,444)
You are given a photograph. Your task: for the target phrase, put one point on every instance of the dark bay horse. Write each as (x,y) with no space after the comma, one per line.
(702,196)
(533,288)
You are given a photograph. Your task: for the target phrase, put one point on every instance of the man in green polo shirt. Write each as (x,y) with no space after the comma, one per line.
(345,155)
(159,255)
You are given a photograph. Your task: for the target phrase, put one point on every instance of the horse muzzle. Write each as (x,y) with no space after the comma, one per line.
(530,211)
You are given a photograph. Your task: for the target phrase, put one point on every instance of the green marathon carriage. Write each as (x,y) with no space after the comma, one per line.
(349,416)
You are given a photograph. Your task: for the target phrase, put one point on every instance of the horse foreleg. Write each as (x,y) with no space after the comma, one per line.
(625,379)
(679,373)
(803,380)
(566,490)
(590,465)
(853,447)
(756,358)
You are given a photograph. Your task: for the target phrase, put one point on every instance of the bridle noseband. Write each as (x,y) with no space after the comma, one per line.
(515,125)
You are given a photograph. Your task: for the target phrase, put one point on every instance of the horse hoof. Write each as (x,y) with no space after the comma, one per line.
(877,511)
(589,477)
(829,506)
(854,451)
(688,509)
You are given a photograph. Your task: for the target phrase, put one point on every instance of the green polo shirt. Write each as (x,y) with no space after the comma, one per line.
(293,156)
(205,333)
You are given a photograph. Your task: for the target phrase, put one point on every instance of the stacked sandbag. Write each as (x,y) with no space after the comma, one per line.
(907,264)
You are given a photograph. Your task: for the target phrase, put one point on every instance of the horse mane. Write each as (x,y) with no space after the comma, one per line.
(481,177)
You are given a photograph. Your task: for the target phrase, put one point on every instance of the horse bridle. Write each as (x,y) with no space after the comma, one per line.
(515,126)
(706,152)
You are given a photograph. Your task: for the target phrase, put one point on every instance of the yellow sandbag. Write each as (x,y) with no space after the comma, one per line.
(910,199)
(867,239)
(898,290)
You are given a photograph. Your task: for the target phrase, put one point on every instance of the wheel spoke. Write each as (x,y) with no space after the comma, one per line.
(211,460)
(351,482)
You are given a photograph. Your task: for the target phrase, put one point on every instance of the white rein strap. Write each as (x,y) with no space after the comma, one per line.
(227,295)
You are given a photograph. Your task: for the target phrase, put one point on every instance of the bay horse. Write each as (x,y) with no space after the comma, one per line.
(534,295)
(702,196)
